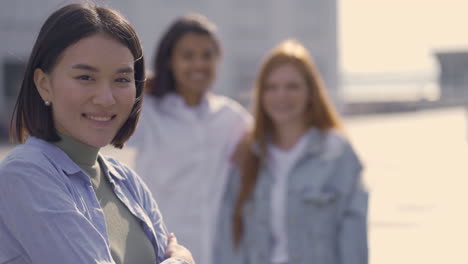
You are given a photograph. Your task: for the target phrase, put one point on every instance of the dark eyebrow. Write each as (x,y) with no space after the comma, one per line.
(125,70)
(93,69)
(85,67)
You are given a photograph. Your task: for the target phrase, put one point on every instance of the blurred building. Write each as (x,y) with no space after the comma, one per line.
(247,29)
(453,77)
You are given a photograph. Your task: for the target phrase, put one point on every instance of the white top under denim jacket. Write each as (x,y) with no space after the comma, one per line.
(326,209)
(49,212)
(183,155)
(280,163)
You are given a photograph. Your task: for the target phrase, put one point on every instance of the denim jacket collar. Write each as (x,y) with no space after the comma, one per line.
(315,145)
(64,162)
(54,153)
(109,169)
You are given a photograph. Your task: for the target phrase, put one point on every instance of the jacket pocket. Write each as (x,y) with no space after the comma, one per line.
(320,210)
(319,198)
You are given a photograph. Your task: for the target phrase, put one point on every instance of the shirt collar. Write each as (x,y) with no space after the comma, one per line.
(109,168)
(55,154)
(174,102)
(314,144)
(64,162)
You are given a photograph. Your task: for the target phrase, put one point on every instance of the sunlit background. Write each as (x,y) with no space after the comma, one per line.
(396,69)
(390,49)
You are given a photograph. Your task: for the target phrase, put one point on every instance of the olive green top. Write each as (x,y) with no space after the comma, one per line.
(128,242)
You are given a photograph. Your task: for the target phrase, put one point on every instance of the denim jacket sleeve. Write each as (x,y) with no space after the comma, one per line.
(39,214)
(353,247)
(224,251)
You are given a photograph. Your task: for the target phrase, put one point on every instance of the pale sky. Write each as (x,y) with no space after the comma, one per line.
(399,35)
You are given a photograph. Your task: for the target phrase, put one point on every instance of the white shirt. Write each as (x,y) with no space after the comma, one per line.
(280,163)
(183,155)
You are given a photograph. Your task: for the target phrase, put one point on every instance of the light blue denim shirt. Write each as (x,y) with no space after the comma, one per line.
(326,209)
(49,212)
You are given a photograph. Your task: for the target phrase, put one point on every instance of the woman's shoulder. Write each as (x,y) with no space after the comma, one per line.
(336,145)
(32,165)
(326,144)
(27,154)
(338,166)
(340,150)
(224,104)
(149,118)
(149,103)
(334,148)
(224,101)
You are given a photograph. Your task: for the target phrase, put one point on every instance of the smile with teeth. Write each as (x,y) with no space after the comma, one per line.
(99,118)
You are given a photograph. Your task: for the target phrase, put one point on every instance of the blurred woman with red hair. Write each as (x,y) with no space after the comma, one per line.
(300,198)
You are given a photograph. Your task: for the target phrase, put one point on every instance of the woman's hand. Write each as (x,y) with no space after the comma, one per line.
(174,250)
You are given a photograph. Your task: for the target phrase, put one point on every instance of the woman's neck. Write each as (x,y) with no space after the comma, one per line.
(286,136)
(80,153)
(191,99)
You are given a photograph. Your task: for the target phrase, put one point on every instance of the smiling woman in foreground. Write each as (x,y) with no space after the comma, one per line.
(60,200)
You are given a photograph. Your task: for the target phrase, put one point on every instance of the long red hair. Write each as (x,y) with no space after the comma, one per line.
(320,114)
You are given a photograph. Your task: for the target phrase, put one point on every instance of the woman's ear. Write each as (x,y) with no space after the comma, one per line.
(42,82)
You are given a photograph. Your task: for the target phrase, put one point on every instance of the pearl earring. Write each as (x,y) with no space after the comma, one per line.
(46,103)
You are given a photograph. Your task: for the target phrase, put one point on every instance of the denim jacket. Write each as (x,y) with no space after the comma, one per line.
(49,212)
(326,209)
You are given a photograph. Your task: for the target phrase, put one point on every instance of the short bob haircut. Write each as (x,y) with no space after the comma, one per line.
(63,28)
(163,82)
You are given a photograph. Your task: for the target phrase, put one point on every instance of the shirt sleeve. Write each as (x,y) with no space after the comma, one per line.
(353,248)
(224,249)
(175,261)
(152,210)
(39,212)
(243,121)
